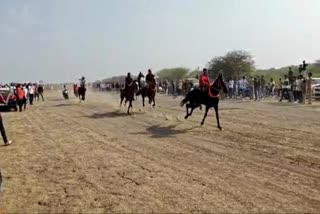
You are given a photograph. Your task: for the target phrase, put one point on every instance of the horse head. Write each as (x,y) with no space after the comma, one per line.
(220,85)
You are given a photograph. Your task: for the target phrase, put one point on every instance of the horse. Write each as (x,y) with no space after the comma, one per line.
(128,94)
(209,98)
(82,93)
(150,92)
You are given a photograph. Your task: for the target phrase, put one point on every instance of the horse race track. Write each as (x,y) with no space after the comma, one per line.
(90,157)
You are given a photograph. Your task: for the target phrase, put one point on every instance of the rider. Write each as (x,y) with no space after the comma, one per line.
(204,80)
(150,77)
(140,76)
(83,82)
(129,81)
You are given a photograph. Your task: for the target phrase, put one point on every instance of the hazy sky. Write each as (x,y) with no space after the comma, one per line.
(61,40)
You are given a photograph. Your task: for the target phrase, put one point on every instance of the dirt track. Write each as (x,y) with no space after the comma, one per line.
(91,157)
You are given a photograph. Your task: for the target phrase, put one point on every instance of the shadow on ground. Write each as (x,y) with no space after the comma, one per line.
(158,131)
(63,104)
(113,114)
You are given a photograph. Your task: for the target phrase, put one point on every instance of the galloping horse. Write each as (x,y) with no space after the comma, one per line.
(209,98)
(82,93)
(150,92)
(128,94)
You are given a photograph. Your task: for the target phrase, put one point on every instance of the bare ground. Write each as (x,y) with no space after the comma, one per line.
(91,157)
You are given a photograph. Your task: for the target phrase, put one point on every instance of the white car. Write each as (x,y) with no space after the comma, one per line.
(316,88)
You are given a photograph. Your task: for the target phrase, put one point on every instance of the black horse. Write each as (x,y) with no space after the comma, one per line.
(82,93)
(150,92)
(209,98)
(128,94)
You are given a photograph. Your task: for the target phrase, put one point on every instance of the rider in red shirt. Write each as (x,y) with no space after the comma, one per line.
(204,80)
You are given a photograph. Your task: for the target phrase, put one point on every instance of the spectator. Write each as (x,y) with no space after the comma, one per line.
(304,69)
(299,89)
(31,93)
(40,91)
(309,88)
(3,133)
(256,89)
(20,97)
(285,88)
(262,87)
(231,86)
(272,85)
(280,87)
(243,84)
(295,87)
(303,89)
(25,98)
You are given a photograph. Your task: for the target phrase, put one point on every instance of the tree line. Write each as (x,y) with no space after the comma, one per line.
(233,65)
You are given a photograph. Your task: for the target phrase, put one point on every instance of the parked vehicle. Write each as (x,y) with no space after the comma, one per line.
(8,99)
(316,88)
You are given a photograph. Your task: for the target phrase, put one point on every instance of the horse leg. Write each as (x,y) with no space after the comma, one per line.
(129,107)
(143,102)
(121,100)
(187,110)
(154,102)
(216,108)
(205,115)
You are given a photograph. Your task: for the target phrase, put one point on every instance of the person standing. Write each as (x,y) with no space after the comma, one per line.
(20,97)
(309,88)
(243,84)
(31,93)
(285,88)
(304,69)
(295,88)
(231,86)
(272,85)
(40,91)
(25,98)
(263,87)
(256,89)
(3,133)
(299,89)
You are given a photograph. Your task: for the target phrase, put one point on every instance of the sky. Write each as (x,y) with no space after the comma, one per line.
(62,40)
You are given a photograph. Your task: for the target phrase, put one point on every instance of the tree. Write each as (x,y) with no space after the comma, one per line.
(173,73)
(234,64)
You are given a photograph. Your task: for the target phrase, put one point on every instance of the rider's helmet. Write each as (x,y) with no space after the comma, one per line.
(129,74)
(82,78)
(149,71)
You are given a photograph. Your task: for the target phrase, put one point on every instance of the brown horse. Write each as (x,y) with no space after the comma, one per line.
(150,92)
(128,94)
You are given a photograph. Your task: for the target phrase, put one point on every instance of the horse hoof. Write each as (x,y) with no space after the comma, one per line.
(221,129)
(186,117)
(202,123)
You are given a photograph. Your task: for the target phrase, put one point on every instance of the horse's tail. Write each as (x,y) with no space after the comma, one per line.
(190,97)
(184,101)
